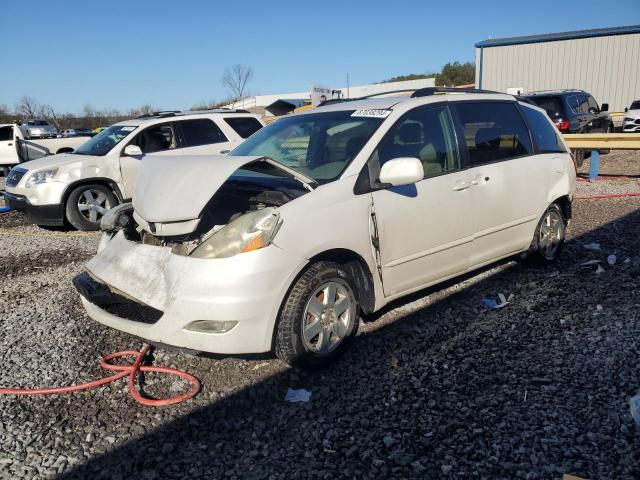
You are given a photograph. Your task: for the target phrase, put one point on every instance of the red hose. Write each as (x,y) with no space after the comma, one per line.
(132,371)
(611,195)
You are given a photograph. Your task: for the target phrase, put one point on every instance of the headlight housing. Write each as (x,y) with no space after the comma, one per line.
(116,218)
(41,176)
(246,233)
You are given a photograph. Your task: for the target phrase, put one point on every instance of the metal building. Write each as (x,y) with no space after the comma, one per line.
(605,62)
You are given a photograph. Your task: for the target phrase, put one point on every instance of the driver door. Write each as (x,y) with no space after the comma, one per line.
(425,229)
(158,139)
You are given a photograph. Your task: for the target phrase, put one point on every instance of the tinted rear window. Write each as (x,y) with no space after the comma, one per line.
(552,105)
(201,131)
(244,126)
(543,133)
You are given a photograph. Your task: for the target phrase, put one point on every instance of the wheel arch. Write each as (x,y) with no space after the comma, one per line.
(107,182)
(565,205)
(359,270)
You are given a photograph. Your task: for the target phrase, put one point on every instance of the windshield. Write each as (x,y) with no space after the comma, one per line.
(635,105)
(103,142)
(38,123)
(318,145)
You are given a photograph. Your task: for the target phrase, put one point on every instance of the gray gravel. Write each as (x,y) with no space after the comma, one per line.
(433,387)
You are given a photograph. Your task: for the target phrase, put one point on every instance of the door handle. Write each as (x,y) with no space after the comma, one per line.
(9,144)
(458,187)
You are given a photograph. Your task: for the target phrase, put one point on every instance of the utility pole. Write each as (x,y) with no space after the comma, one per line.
(348,96)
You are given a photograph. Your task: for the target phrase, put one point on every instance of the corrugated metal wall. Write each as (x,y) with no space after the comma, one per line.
(607,67)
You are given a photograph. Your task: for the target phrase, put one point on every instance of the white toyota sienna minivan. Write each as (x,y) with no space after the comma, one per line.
(326,215)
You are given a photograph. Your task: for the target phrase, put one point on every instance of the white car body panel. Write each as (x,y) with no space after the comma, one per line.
(430,231)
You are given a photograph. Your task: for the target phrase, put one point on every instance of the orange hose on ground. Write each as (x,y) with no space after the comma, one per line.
(132,371)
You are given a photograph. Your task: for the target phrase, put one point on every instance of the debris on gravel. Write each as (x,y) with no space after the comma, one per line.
(433,386)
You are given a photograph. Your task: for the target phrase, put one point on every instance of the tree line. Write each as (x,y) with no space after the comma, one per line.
(451,75)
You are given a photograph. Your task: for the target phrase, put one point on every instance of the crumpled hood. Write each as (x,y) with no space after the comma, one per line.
(56,161)
(176,189)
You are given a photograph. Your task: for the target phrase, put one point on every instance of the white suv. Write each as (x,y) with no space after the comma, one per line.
(325,215)
(79,187)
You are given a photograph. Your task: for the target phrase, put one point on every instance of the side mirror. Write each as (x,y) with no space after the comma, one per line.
(132,151)
(604,107)
(626,109)
(401,171)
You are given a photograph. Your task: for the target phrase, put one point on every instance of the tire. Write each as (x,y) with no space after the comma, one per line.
(78,207)
(548,239)
(311,331)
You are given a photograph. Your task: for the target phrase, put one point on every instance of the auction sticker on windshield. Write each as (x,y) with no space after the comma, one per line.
(373,113)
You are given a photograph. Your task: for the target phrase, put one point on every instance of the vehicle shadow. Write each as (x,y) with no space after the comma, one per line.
(437,387)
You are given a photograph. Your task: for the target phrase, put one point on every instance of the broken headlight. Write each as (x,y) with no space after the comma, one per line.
(116,218)
(251,231)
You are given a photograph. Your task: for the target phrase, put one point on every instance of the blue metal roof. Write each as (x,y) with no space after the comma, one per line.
(550,37)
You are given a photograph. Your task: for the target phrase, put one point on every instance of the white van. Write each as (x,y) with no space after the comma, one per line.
(325,215)
(79,187)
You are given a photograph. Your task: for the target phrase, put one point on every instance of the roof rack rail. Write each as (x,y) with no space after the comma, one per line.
(558,90)
(161,114)
(428,91)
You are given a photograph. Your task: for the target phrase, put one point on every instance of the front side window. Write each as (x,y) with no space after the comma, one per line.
(6,133)
(318,145)
(103,142)
(201,131)
(157,138)
(426,134)
(583,104)
(493,131)
(244,126)
(545,136)
(593,105)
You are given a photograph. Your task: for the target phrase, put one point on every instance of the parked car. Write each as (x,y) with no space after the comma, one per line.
(14,149)
(326,215)
(631,121)
(574,111)
(79,187)
(38,129)
(77,132)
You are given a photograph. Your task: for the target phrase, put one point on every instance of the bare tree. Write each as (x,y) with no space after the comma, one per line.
(236,79)
(27,107)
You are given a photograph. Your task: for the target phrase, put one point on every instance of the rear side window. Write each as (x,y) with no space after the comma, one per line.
(6,133)
(244,126)
(427,134)
(543,133)
(551,105)
(201,131)
(493,131)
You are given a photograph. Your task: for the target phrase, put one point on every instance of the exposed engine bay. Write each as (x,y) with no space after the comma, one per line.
(254,187)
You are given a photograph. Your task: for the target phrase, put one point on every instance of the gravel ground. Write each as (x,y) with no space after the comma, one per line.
(435,386)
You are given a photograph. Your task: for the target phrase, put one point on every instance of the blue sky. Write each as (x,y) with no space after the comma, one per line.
(172,54)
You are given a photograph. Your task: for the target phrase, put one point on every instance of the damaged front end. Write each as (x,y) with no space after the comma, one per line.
(241,216)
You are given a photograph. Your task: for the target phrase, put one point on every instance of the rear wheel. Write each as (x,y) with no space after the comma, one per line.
(87,205)
(319,317)
(549,236)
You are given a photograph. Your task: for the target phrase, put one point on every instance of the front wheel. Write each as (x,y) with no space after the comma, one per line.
(87,205)
(319,317)
(549,236)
